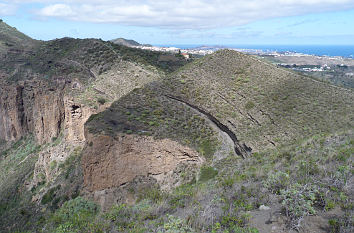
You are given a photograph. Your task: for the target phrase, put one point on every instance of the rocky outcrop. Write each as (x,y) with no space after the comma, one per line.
(110,163)
(76,116)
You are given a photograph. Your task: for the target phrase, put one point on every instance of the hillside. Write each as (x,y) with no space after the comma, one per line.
(101,137)
(11,38)
(224,106)
(263,105)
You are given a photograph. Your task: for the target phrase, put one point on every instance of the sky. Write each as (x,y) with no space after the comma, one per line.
(181,22)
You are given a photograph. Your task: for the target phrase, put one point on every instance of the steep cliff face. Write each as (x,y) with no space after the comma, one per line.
(112,163)
(70,143)
(31,107)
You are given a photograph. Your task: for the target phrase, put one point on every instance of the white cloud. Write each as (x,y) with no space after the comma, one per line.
(57,10)
(7,9)
(186,14)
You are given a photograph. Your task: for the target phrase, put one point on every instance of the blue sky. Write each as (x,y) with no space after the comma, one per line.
(222,22)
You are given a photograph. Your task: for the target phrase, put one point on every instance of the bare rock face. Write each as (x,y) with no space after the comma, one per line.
(110,163)
(76,115)
(34,107)
(30,107)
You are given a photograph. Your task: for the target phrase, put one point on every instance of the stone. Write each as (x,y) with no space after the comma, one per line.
(264,207)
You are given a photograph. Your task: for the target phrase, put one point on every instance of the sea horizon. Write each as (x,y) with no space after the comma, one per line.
(346,51)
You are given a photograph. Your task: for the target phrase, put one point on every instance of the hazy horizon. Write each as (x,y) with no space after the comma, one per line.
(276,22)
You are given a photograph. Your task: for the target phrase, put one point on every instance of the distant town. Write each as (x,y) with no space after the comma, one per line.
(286,59)
(338,70)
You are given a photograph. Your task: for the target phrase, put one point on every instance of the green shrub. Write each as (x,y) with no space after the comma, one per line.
(343,224)
(181,195)
(207,173)
(236,222)
(342,176)
(237,229)
(49,196)
(53,165)
(330,205)
(298,201)
(207,148)
(277,181)
(176,225)
(76,215)
(228,182)
(153,193)
(344,154)
(306,169)
(122,216)
(101,100)
(334,225)
(249,105)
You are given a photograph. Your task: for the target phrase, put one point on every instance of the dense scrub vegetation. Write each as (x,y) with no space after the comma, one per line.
(164,61)
(16,166)
(83,58)
(310,178)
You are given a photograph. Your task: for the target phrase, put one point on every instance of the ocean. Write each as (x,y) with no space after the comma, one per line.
(319,50)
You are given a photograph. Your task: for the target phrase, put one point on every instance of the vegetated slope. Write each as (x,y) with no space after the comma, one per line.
(11,38)
(229,104)
(24,58)
(17,164)
(263,106)
(302,187)
(37,85)
(82,58)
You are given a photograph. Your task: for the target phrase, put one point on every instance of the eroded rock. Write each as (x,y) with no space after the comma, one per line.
(110,163)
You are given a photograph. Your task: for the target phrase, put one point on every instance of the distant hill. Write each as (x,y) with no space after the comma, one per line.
(125,42)
(128,43)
